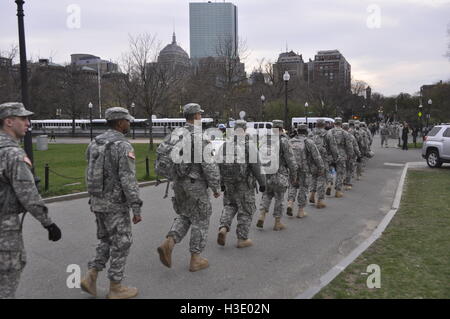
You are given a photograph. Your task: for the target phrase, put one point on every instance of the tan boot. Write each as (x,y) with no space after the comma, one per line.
(117,291)
(320,204)
(244,243)
(289,208)
(89,282)
(312,198)
(222,236)
(347,187)
(301,213)
(278,225)
(339,194)
(198,263)
(262,217)
(165,251)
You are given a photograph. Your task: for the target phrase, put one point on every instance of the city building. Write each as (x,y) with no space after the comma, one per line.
(174,56)
(291,62)
(90,62)
(330,67)
(213,29)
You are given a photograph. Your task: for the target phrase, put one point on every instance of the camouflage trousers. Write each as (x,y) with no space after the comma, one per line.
(193,207)
(302,192)
(350,168)
(359,168)
(114,233)
(238,200)
(341,170)
(319,182)
(11,265)
(276,192)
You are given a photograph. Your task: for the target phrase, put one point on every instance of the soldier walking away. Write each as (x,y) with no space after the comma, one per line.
(18,195)
(191,202)
(309,163)
(384,132)
(238,184)
(278,183)
(345,150)
(351,162)
(113,189)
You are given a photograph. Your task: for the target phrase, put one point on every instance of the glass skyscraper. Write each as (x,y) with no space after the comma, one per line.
(213,28)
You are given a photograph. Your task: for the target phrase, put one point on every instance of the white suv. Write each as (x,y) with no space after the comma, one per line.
(436,146)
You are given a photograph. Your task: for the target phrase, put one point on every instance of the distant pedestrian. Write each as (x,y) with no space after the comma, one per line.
(405,132)
(52,136)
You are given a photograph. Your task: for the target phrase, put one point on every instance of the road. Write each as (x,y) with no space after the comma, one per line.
(279,265)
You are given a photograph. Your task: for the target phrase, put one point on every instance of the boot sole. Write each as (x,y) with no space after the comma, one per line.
(85,289)
(198,269)
(221,238)
(162,257)
(128,297)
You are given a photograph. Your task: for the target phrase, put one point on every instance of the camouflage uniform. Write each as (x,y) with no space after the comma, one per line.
(362,144)
(278,183)
(18,194)
(191,201)
(238,179)
(351,162)
(111,201)
(329,152)
(345,149)
(309,163)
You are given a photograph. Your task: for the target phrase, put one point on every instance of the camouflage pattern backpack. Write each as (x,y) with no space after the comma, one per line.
(235,171)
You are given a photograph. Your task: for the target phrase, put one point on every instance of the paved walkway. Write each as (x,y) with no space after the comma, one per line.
(279,265)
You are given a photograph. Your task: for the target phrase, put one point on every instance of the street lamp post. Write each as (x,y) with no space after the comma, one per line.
(132,112)
(263,99)
(28,141)
(420,118)
(364,113)
(429,111)
(286,78)
(306,114)
(90,117)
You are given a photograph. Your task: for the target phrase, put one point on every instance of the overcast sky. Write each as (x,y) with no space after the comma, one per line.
(398,52)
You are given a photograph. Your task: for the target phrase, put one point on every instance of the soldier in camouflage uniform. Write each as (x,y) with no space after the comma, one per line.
(113,189)
(345,149)
(238,185)
(362,144)
(18,194)
(328,151)
(191,202)
(278,183)
(309,163)
(351,162)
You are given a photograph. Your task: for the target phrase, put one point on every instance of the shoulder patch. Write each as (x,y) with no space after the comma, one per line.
(28,161)
(131,155)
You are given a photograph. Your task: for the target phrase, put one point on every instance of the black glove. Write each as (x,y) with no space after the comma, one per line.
(54,233)
(222,188)
(262,188)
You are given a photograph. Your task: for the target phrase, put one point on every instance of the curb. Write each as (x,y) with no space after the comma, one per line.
(86,195)
(336,270)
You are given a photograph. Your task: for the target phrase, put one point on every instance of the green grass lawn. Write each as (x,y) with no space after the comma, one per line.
(414,250)
(68,160)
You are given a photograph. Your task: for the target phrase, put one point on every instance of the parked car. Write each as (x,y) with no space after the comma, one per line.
(436,146)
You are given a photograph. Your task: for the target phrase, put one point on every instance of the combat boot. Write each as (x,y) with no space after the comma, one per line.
(289,208)
(348,187)
(165,251)
(89,282)
(117,291)
(198,263)
(301,213)
(320,204)
(222,236)
(262,217)
(312,197)
(244,243)
(278,225)
(339,194)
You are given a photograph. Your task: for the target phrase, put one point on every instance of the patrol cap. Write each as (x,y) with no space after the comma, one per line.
(345,125)
(338,120)
(357,122)
(321,121)
(118,113)
(302,126)
(192,108)
(240,124)
(277,123)
(351,122)
(13,109)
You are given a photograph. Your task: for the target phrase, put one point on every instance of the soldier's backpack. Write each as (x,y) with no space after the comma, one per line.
(235,171)
(298,146)
(164,164)
(99,156)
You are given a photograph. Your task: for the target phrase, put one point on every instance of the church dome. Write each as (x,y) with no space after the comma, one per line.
(173,54)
